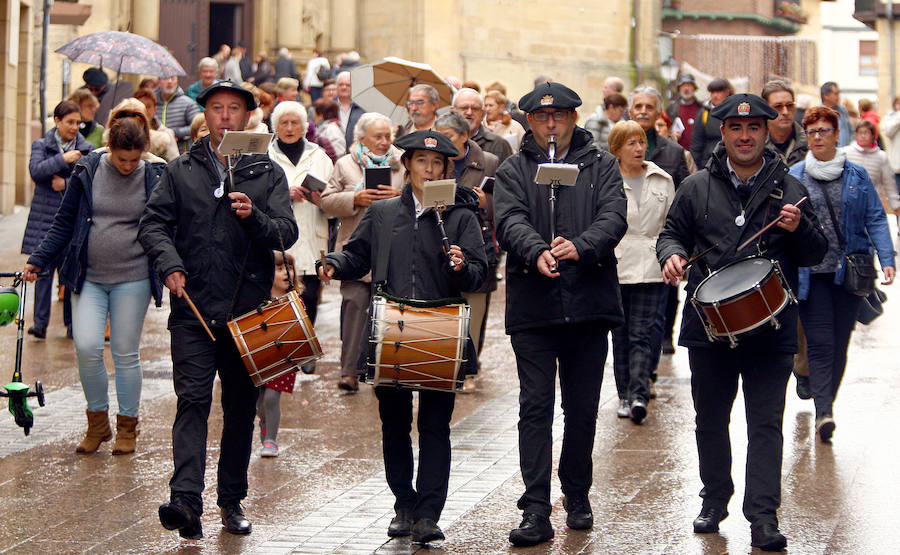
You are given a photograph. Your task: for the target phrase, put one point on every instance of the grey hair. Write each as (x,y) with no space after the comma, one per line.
(283,51)
(365,121)
(430,92)
(468,91)
(649,91)
(208,62)
(352,57)
(289,107)
(455,121)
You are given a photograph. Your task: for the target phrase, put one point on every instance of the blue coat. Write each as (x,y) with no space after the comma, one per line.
(863,222)
(72,225)
(47,161)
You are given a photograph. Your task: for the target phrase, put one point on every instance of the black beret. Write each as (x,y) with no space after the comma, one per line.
(427,140)
(743,105)
(95,77)
(249,99)
(550,95)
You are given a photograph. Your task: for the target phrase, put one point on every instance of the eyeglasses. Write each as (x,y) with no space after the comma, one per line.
(544,116)
(820,132)
(469,107)
(780,107)
(415,102)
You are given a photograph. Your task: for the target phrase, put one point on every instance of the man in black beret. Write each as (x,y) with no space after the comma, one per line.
(96,81)
(743,187)
(214,236)
(561,299)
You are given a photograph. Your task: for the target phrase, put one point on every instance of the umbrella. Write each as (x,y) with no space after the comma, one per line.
(124,52)
(383,86)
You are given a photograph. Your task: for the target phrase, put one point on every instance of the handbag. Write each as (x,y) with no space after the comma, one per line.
(859,268)
(871,307)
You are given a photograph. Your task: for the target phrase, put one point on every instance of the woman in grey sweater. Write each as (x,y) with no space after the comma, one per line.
(107,271)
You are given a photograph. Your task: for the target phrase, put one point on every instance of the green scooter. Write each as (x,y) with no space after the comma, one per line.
(12,309)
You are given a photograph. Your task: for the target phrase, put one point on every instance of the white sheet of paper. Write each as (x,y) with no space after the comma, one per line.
(563,174)
(244,142)
(442,191)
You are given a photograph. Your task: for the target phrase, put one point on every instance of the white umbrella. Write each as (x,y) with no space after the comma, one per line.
(383,86)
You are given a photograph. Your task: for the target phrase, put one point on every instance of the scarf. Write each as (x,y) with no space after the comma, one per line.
(367,159)
(293,151)
(63,146)
(825,171)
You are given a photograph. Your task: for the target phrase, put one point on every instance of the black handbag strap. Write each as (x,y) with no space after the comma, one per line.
(391,209)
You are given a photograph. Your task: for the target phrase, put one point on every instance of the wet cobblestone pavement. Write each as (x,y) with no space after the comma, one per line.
(326,492)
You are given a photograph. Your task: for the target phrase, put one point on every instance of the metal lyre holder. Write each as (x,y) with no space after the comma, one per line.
(440,194)
(233,145)
(554,175)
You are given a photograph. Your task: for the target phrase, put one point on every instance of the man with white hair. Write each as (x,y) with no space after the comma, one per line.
(207,69)
(422,106)
(349,111)
(471,105)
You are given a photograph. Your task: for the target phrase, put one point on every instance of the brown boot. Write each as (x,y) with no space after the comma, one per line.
(126,433)
(98,431)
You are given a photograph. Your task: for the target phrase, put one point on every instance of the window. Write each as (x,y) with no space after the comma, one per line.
(868,57)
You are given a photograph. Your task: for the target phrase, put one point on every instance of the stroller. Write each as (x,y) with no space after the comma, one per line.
(12,309)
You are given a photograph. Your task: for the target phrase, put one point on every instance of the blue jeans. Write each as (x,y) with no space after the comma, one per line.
(126,304)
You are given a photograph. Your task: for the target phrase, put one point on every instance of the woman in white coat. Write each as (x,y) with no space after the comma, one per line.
(299,158)
(650,192)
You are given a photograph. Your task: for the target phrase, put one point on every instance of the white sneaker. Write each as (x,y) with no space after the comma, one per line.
(624,410)
(270,449)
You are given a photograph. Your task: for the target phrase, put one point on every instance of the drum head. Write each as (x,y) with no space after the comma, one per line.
(733,279)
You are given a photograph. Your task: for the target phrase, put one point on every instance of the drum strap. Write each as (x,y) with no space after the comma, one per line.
(391,209)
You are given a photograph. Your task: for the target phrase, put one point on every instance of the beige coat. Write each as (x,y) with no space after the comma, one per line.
(877,165)
(636,252)
(512,128)
(337,200)
(312,224)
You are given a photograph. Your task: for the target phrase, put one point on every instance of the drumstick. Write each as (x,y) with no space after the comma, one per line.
(197,313)
(769,226)
(697,257)
(323,260)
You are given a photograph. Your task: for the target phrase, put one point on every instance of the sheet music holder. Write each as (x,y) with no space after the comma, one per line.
(244,142)
(556,174)
(439,193)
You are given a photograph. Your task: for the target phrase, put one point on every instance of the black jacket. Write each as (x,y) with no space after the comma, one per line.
(669,156)
(703,214)
(493,143)
(72,226)
(417,267)
(707,134)
(225,259)
(591,214)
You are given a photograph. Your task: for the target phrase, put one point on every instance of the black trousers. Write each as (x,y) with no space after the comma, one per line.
(714,383)
(580,349)
(671,312)
(195,360)
(310,296)
(828,317)
(435,409)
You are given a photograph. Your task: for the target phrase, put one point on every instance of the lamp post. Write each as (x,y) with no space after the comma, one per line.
(669,71)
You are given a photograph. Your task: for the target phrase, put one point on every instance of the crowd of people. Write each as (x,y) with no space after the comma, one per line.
(137,197)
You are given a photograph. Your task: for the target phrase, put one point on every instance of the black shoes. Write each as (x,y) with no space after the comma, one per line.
(638,411)
(40,333)
(401,524)
(803,390)
(580,516)
(825,427)
(425,531)
(533,530)
(234,521)
(707,522)
(767,537)
(176,515)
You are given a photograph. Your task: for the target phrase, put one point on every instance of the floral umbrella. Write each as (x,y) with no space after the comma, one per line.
(123,52)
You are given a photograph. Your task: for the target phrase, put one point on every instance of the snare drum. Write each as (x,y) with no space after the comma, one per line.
(276,338)
(417,347)
(742,297)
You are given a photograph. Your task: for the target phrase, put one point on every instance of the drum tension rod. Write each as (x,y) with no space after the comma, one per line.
(264,326)
(277,343)
(397,345)
(400,324)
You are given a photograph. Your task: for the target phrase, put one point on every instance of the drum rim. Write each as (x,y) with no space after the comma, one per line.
(736,296)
